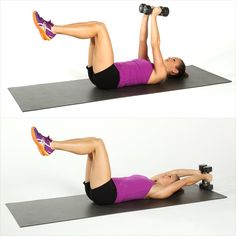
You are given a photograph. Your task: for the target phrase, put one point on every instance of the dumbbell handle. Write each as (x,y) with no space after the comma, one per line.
(164,11)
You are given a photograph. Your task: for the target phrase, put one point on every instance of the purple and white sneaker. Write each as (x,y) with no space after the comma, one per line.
(42,142)
(44,27)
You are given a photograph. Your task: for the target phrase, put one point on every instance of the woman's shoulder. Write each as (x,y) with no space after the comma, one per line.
(157,77)
(155,191)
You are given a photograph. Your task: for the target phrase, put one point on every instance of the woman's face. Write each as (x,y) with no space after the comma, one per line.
(171,64)
(167,179)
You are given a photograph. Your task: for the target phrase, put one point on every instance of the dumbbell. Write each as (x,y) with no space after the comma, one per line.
(147,10)
(204,168)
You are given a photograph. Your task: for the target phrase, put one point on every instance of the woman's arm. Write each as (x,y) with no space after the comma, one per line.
(183,172)
(178,172)
(167,191)
(159,72)
(143,49)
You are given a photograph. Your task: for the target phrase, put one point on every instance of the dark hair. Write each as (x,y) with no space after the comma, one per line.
(181,71)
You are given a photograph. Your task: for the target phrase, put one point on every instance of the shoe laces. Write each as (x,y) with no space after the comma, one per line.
(47,24)
(44,140)
(44,26)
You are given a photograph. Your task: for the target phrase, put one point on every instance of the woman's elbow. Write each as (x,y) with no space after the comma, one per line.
(143,39)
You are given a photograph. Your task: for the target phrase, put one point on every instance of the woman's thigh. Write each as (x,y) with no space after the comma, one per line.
(100,167)
(103,55)
(88,167)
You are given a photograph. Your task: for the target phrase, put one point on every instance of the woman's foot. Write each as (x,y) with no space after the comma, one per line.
(44,27)
(42,142)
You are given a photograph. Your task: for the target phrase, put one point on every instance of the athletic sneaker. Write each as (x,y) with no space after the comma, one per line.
(43,26)
(42,142)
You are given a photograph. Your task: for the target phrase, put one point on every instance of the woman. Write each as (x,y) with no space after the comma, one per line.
(103,189)
(102,70)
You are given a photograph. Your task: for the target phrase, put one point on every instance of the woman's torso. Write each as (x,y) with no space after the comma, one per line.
(132,187)
(135,72)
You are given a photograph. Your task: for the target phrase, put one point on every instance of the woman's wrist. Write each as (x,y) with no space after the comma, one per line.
(145,16)
(205,176)
(154,16)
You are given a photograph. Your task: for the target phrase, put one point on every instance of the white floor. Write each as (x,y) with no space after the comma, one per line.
(144,134)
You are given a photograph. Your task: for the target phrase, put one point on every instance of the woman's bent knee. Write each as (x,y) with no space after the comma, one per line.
(101,24)
(101,27)
(98,142)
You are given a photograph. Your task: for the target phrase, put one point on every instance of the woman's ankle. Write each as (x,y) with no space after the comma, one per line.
(53,145)
(54,29)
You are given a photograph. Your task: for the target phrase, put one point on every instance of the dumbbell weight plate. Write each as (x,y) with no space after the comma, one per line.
(201,186)
(201,166)
(209,187)
(207,169)
(147,10)
(205,183)
(141,7)
(164,11)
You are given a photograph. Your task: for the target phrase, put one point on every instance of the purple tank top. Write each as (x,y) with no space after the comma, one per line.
(134,72)
(132,187)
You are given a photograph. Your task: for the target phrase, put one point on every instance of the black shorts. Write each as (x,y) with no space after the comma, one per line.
(103,195)
(106,79)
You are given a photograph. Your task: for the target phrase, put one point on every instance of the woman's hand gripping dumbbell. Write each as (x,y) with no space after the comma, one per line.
(147,10)
(205,184)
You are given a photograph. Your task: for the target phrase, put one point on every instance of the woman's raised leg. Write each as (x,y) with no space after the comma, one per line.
(91,52)
(88,167)
(88,163)
(99,165)
(98,169)
(103,56)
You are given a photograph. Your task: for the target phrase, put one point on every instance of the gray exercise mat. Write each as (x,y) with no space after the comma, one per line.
(46,211)
(43,96)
